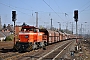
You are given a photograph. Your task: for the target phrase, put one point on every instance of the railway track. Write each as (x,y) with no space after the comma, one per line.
(13,55)
(55,53)
(30,55)
(41,54)
(37,54)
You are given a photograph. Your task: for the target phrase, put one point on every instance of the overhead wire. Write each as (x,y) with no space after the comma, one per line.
(13,8)
(86,7)
(58,6)
(52,9)
(66,14)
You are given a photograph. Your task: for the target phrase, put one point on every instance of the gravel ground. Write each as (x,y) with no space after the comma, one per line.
(85,53)
(86,49)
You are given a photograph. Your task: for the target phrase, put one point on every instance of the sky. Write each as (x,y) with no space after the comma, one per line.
(59,10)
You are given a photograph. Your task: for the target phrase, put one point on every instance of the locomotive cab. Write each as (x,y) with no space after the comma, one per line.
(28,34)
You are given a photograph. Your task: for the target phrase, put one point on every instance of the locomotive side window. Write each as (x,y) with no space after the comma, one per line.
(22,29)
(30,29)
(35,30)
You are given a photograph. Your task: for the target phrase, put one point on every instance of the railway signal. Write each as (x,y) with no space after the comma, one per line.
(14,19)
(76,15)
(13,15)
(76,20)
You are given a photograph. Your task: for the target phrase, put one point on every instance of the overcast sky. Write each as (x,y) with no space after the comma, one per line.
(59,10)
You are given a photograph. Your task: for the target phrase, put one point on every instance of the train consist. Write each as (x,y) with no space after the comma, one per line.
(31,38)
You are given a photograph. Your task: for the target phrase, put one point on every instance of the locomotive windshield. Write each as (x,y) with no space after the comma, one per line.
(29,28)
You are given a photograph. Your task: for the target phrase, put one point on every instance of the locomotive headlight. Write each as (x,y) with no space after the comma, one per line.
(19,39)
(26,36)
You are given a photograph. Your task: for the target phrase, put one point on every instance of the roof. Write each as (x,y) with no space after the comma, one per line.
(1,34)
(29,27)
(10,28)
(6,33)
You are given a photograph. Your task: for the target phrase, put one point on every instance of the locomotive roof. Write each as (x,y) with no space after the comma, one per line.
(29,27)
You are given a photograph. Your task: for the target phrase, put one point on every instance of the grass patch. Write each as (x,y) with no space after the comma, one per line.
(9,38)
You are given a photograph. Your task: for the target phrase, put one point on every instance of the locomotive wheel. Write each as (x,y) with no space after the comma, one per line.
(35,46)
(44,47)
(30,48)
(15,48)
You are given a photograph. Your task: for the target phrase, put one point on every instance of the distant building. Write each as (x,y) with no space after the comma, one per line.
(7,31)
(17,30)
(10,28)
(2,36)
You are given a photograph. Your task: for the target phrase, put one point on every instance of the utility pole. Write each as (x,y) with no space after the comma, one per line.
(76,32)
(66,27)
(59,26)
(81,29)
(0,23)
(51,23)
(85,28)
(72,28)
(36,19)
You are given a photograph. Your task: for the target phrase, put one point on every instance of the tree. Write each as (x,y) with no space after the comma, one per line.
(4,26)
(24,24)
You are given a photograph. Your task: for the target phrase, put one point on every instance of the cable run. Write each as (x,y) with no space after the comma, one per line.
(85,8)
(52,8)
(13,8)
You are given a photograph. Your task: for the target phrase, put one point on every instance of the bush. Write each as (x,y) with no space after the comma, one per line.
(8,38)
